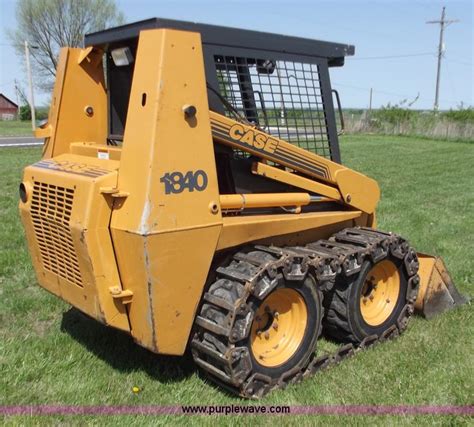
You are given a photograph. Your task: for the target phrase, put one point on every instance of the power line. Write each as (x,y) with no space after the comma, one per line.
(366,89)
(383,92)
(469,64)
(443,23)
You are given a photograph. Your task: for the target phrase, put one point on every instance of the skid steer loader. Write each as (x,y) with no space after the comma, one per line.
(191,193)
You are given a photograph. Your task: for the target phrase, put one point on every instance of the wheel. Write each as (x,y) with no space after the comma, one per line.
(367,304)
(285,328)
(273,335)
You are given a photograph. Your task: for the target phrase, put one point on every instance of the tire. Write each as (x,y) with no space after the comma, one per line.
(231,358)
(301,343)
(347,317)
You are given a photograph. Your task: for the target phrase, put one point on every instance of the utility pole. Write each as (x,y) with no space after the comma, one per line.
(30,83)
(17,96)
(443,23)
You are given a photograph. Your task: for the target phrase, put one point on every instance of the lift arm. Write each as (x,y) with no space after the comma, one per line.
(323,176)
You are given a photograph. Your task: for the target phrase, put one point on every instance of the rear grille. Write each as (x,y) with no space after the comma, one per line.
(51,208)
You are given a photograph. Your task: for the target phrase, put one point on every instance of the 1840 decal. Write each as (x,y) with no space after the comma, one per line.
(177,182)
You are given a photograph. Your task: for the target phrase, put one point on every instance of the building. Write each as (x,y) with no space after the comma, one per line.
(8,109)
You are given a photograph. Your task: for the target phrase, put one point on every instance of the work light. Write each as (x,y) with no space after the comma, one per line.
(122,56)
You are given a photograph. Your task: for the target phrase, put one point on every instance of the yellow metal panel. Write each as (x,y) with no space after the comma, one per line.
(425,271)
(55,105)
(165,242)
(78,109)
(166,277)
(242,229)
(357,190)
(158,139)
(98,151)
(66,219)
(366,220)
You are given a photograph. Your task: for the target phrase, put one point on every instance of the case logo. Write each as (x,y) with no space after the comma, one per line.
(253,138)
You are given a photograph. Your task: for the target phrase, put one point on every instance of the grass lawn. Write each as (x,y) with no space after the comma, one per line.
(15,128)
(51,354)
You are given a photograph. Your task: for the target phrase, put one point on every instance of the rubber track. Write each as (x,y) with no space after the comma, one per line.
(225,317)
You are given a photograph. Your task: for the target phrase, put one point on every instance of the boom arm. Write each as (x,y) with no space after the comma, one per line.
(324,176)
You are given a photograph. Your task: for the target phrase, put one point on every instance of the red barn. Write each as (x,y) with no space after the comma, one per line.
(8,109)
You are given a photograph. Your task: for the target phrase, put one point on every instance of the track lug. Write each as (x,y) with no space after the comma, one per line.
(411,262)
(264,286)
(368,341)
(343,352)
(256,386)
(295,270)
(390,333)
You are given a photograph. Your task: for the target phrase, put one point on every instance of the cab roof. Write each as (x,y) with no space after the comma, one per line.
(227,36)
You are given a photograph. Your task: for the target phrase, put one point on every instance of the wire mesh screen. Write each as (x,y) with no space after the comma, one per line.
(283,98)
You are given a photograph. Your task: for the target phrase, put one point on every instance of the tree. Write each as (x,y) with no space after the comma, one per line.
(25,113)
(48,25)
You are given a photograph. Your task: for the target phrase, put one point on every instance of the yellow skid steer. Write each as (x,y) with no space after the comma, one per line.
(191,194)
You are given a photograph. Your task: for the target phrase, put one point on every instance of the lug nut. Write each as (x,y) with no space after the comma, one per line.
(275,326)
(267,335)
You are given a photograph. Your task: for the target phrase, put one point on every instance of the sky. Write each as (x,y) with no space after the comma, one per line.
(395,50)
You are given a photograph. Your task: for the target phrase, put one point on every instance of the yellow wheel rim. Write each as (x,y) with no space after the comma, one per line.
(380,292)
(278,327)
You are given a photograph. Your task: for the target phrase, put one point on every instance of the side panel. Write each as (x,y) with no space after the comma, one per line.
(239,230)
(79,105)
(165,240)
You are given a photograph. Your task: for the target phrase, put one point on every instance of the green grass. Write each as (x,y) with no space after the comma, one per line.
(51,354)
(15,128)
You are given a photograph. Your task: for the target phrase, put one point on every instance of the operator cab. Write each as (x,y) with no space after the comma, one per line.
(280,84)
